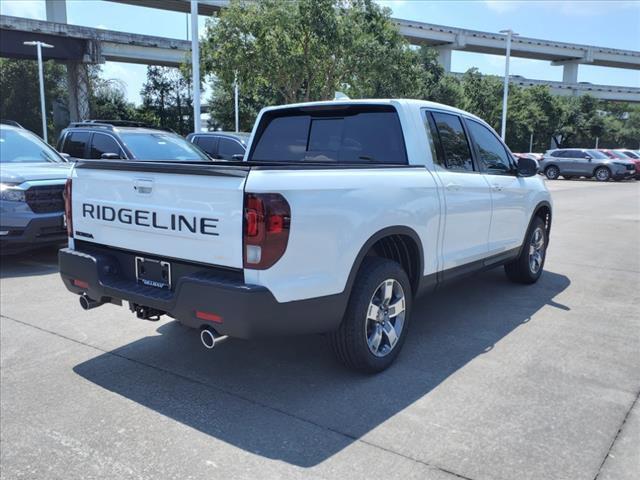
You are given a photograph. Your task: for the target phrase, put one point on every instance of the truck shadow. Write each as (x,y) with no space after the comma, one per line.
(287,399)
(41,261)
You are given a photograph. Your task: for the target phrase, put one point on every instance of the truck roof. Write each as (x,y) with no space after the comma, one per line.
(398,102)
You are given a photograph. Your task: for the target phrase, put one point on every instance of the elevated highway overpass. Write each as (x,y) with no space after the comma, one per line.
(77,45)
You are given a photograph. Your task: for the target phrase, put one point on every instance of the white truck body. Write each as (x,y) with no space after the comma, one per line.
(459,220)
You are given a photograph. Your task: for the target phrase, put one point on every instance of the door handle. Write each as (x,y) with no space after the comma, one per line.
(453,186)
(497,188)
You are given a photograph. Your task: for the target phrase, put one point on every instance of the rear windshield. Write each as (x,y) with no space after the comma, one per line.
(162,146)
(339,135)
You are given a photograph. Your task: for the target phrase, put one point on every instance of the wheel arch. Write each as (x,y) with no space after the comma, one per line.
(543,211)
(398,243)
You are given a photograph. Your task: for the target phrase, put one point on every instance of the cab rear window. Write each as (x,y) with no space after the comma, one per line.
(362,134)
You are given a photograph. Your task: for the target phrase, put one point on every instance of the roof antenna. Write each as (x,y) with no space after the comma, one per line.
(340,96)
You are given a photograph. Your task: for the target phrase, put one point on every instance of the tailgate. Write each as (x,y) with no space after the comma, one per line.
(187,212)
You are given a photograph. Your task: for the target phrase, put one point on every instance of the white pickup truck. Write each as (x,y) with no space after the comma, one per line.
(341,213)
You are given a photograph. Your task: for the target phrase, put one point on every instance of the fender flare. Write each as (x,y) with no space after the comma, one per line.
(385,232)
(539,205)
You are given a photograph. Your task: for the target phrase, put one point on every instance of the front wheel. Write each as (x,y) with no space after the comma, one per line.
(527,268)
(602,174)
(375,324)
(552,172)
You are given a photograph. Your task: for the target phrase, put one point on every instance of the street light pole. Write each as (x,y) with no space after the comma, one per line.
(505,94)
(235,101)
(195,65)
(43,109)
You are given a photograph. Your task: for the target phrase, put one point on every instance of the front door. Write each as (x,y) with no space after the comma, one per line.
(509,217)
(466,192)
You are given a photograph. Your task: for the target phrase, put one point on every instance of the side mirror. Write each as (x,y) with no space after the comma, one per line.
(66,156)
(110,156)
(527,167)
(238,156)
(588,157)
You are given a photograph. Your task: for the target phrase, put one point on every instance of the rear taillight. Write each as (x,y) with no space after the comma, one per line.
(67,208)
(267,217)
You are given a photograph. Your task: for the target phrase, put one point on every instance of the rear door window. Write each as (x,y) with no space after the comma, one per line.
(455,145)
(370,134)
(75,144)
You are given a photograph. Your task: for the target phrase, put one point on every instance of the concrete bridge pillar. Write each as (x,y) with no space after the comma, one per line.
(78,90)
(77,75)
(570,73)
(444,58)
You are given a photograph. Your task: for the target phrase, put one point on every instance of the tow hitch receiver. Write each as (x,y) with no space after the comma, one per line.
(146,313)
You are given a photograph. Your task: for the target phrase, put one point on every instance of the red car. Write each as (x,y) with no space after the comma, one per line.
(625,155)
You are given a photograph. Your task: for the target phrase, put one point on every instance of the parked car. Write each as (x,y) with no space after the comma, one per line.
(634,157)
(221,145)
(32,178)
(334,223)
(117,139)
(583,162)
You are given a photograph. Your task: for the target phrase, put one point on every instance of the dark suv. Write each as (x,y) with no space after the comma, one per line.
(113,140)
(221,145)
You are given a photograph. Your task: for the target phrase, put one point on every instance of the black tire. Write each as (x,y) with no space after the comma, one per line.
(349,341)
(520,270)
(552,172)
(602,174)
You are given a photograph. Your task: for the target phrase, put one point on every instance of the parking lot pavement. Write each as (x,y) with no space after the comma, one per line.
(496,381)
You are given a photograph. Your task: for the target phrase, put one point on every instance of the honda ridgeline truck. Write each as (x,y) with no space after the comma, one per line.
(340,215)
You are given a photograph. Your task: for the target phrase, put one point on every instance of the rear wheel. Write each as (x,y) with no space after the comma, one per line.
(552,172)
(527,268)
(375,324)
(602,174)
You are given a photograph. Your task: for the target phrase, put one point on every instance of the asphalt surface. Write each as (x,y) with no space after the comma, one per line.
(496,380)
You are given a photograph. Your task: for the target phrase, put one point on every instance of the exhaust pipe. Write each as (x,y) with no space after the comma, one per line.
(88,303)
(210,338)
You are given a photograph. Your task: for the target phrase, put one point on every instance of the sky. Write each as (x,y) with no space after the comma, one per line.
(614,24)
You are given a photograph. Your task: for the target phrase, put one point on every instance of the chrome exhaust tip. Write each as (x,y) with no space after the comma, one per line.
(209,337)
(88,303)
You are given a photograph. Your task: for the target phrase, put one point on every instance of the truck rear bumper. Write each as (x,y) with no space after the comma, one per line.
(201,298)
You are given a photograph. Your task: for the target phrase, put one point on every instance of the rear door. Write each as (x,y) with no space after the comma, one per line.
(188,212)
(467,194)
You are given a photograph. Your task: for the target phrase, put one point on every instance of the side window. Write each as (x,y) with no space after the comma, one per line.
(228,148)
(492,156)
(557,154)
(455,146)
(101,143)
(75,143)
(207,143)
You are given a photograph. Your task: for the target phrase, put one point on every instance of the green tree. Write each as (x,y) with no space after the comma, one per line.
(166,99)
(107,98)
(20,99)
(301,50)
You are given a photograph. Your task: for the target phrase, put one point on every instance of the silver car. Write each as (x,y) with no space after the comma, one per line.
(32,178)
(582,162)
